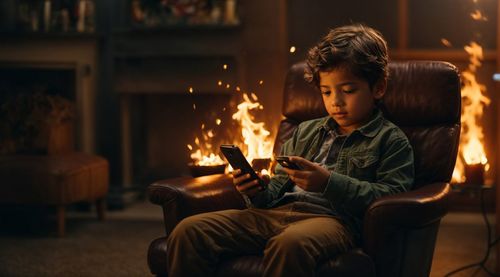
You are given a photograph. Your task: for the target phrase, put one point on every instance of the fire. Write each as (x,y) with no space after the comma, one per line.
(471,149)
(257,142)
(256,138)
(204,153)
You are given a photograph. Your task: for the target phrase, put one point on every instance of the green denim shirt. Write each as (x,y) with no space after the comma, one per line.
(375,160)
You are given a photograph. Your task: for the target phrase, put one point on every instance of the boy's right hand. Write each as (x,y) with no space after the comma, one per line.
(245,185)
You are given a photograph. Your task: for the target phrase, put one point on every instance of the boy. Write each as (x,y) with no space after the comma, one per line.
(347,159)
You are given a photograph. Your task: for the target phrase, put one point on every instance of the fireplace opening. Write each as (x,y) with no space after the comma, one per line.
(28,94)
(15,79)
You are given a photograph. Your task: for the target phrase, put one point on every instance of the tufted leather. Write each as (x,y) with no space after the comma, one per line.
(423,98)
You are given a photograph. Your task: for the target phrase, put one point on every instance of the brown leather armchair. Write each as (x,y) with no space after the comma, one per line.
(423,98)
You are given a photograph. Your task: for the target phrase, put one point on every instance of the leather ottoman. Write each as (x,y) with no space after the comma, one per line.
(56,180)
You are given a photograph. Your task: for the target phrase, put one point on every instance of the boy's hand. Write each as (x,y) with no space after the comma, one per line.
(312,177)
(245,185)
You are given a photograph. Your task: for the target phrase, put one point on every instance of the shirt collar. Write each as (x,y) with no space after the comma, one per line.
(370,129)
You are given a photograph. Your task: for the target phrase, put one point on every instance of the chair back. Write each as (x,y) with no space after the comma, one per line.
(422,98)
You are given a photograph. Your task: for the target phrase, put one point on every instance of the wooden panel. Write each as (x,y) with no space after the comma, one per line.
(170,123)
(175,74)
(431,20)
(308,21)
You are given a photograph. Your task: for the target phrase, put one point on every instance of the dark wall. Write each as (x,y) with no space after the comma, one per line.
(308,21)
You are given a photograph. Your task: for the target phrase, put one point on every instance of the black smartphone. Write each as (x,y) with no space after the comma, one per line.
(237,160)
(284,161)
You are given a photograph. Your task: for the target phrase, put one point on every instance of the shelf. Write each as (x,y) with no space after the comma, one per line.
(48,35)
(211,93)
(179,28)
(438,54)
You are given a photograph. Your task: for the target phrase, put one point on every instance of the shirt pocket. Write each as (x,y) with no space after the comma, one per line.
(362,167)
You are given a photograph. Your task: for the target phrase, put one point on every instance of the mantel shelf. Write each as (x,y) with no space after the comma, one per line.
(48,35)
(438,54)
(224,93)
(180,28)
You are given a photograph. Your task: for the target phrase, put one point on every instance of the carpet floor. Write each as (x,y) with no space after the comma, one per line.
(118,245)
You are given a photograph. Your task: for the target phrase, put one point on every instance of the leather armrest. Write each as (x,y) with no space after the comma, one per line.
(185,196)
(409,210)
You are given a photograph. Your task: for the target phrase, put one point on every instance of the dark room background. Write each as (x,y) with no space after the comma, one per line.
(132,80)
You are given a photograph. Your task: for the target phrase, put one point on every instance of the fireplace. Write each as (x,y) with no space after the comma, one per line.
(62,66)
(165,101)
(20,82)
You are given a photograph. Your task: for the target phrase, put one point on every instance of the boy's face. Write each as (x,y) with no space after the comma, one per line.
(349,99)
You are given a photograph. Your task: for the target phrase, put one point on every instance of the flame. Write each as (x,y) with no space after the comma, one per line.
(471,148)
(292,49)
(204,153)
(256,138)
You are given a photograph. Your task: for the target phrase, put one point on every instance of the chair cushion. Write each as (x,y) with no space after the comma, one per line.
(353,263)
(157,256)
(52,179)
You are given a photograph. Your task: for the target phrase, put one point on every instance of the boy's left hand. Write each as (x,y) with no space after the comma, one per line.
(312,177)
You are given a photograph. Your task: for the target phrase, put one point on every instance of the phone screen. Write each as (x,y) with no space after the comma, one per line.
(237,160)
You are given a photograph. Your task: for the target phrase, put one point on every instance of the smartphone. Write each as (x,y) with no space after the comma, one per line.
(237,160)
(284,161)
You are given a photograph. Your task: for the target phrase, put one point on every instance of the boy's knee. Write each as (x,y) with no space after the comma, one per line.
(187,227)
(289,243)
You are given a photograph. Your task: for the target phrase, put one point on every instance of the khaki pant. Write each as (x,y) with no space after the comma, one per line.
(293,239)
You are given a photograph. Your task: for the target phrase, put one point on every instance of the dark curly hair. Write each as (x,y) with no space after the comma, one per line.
(358,48)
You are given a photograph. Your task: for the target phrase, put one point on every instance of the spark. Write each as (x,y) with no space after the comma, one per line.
(446,42)
(477,15)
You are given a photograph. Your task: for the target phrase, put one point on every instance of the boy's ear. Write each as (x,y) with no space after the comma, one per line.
(379,89)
